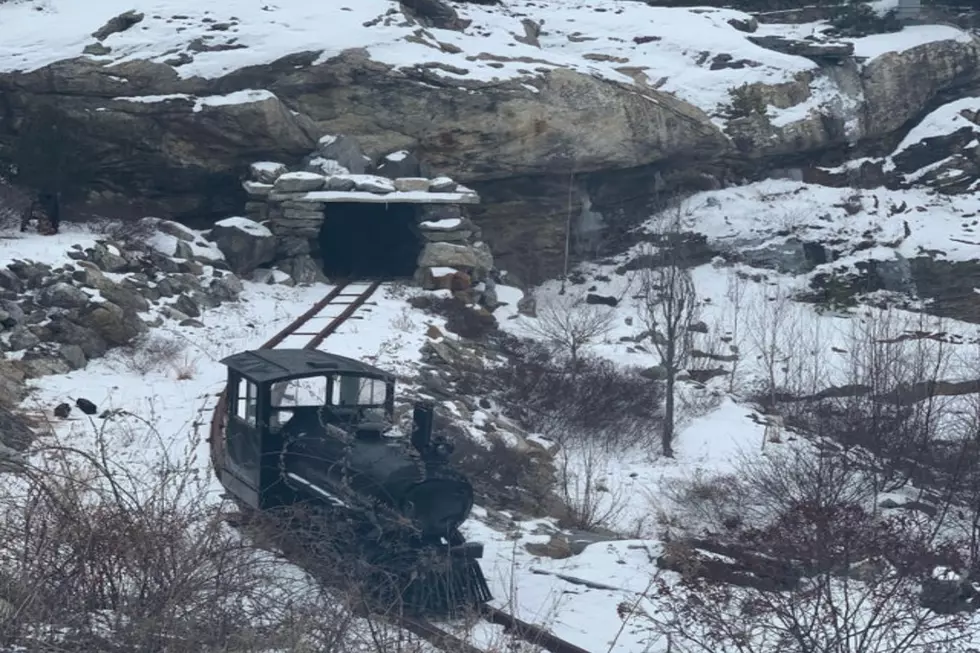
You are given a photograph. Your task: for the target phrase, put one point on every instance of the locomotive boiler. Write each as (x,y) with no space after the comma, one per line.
(298,426)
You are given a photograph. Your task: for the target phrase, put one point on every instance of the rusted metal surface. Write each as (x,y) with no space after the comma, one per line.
(530,633)
(335,323)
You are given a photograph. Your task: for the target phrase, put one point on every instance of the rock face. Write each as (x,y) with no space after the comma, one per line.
(522,148)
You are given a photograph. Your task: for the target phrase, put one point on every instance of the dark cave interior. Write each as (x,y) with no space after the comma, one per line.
(370,240)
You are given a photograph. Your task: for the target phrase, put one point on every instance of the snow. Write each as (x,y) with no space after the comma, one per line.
(912,36)
(445,223)
(249,226)
(944,120)
(238,97)
(397,156)
(411,197)
(670,49)
(442,271)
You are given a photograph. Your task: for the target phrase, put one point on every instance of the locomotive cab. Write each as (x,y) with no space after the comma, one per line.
(304,426)
(267,390)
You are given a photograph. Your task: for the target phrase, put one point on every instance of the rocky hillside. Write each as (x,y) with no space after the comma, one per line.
(593,107)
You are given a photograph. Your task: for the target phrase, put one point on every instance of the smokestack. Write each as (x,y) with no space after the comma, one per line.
(422,426)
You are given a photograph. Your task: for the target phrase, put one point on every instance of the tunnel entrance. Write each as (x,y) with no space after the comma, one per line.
(370,240)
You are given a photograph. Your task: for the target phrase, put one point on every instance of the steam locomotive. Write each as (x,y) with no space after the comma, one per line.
(305,427)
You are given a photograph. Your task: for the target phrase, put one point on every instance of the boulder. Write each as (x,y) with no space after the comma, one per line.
(114,324)
(399,164)
(108,258)
(345,150)
(303,270)
(474,257)
(226,288)
(63,295)
(127,298)
(245,244)
(65,332)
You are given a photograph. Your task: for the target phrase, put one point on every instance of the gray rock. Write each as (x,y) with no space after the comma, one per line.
(165,288)
(399,164)
(183,250)
(527,306)
(345,150)
(340,183)
(14,310)
(373,184)
(443,185)
(191,322)
(412,184)
(10,281)
(22,338)
(40,363)
(162,262)
(124,297)
(172,313)
(116,325)
(490,299)
(174,229)
(227,288)
(246,245)
(117,24)
(299,182)
(73,355)
(96,49)
(266,172)
(108,258)
(190,267)
(476,257)
(303,270)
(187,306)
(325,167)
(65,332)
(63,295)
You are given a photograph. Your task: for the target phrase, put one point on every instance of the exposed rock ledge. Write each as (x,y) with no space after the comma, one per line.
(146,133)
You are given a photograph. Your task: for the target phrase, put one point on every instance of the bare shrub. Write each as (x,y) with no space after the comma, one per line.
(703,504)
(461,319)
(502,475)
(588,501)
(99,555)
(152,353)
(842,577)
(571,324)
(600,403)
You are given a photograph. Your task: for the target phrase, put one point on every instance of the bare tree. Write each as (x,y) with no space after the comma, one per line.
(816,573)
(570,323)
(668,307)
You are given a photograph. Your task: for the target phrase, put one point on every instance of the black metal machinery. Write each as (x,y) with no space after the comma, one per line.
(302,426)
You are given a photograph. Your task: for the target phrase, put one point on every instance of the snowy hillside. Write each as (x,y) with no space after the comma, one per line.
(696,54)
(831,357)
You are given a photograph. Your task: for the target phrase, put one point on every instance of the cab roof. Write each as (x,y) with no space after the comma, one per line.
(271,365)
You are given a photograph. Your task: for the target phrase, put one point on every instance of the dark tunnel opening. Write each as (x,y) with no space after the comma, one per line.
(370,240)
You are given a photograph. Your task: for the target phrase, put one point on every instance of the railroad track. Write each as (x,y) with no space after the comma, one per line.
(306,328)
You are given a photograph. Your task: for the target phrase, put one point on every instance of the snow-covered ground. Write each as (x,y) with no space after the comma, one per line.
(716,430)
(670,49)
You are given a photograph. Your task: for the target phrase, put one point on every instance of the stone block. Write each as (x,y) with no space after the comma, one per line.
(299,182)
(257,189)
(410,184)
(266,172)
(433,212)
